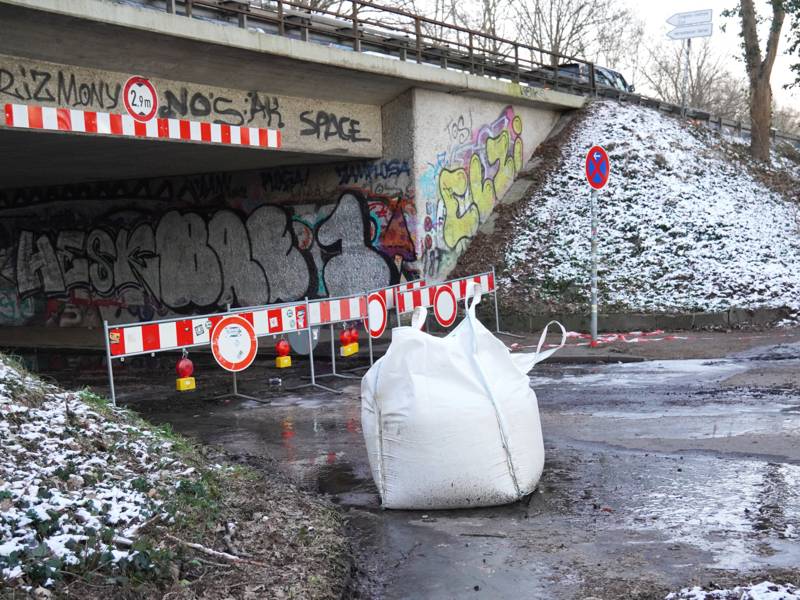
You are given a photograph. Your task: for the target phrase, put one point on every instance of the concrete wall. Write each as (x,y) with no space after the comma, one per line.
(306,124)
(467,153)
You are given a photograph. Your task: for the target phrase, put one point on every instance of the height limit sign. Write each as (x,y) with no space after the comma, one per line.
(598,169)
(140,98)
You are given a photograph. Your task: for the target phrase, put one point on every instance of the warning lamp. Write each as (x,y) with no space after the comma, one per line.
(283,359)
(349,341)
(184,368)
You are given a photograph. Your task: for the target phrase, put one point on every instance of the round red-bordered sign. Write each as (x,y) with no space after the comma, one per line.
(445,305)
(376,315)
(233,343)
(140,98)
(598,167)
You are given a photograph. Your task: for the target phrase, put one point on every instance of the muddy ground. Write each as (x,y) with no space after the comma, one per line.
(659,475)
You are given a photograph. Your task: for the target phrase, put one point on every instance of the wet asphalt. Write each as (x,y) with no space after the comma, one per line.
(659,475)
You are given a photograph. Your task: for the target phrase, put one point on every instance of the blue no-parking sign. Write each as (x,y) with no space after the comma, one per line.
(598,167)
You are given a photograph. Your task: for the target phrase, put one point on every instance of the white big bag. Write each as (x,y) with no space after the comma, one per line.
(452,422)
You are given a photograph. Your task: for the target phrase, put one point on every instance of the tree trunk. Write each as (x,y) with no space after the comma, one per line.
(760,118)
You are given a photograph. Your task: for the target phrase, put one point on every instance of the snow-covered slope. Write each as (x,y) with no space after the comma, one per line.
(685,224)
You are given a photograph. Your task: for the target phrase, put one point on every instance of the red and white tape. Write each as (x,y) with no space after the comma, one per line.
(170,335)
(103,123)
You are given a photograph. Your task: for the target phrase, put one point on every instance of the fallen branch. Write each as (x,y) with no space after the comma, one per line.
(211,552)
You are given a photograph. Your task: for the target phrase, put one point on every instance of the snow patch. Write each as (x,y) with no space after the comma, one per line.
(763,591)
(682,226)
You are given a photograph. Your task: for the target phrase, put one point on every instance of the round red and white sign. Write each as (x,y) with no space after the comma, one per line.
(140,98)
(233,343)
(445,305)
(376,313)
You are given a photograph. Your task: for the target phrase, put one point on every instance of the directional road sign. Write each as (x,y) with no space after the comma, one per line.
(691,31)
(598,168)
(695,17)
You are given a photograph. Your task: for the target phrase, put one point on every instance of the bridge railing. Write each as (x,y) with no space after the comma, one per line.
(363,26)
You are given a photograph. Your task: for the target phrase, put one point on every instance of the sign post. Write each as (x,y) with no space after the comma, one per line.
(598,168)
(688,25)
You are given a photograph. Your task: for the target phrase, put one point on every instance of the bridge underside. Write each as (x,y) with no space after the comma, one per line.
(33,158)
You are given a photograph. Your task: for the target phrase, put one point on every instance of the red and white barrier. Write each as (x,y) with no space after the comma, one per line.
(336,310)
(103,123)
(409,300)
(158,336)
(181,333)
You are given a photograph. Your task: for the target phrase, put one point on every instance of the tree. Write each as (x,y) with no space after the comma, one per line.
(710,86)
(580,28)
(759,70)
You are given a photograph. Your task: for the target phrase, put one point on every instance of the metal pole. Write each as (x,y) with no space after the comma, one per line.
(594,266)
(310,347)
(109,365)
(333,353)
(686,78)
(396,297)
(496,308)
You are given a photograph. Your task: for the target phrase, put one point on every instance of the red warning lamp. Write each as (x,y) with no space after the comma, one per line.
(184,368)
(348,338)
(282,349)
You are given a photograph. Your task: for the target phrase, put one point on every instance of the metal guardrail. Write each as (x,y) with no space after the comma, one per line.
(362,26)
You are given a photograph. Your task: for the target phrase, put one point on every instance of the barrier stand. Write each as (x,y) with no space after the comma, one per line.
(330,311)
(109,364)
(497,311)
(333,372)
(234,393)
(313,382)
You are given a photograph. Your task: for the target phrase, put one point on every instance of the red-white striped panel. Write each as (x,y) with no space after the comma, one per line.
(322,312)
(408,301)
(170,335)
(103,123)
(388,294)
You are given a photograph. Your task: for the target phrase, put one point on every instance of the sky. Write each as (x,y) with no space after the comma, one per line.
(655,14)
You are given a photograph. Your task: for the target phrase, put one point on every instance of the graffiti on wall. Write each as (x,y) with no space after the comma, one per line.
(465,182)
(143,263)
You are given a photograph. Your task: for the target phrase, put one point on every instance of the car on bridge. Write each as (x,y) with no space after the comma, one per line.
(604,77)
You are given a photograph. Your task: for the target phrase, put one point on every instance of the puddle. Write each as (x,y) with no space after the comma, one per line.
(638,374)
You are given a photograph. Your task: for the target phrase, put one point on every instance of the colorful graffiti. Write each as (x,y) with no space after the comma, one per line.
(157,255)
(465,183)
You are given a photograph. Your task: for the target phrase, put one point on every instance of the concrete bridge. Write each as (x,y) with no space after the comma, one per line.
(155,163)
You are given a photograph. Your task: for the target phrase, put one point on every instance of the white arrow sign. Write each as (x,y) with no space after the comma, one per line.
(692,31)
(695,17)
